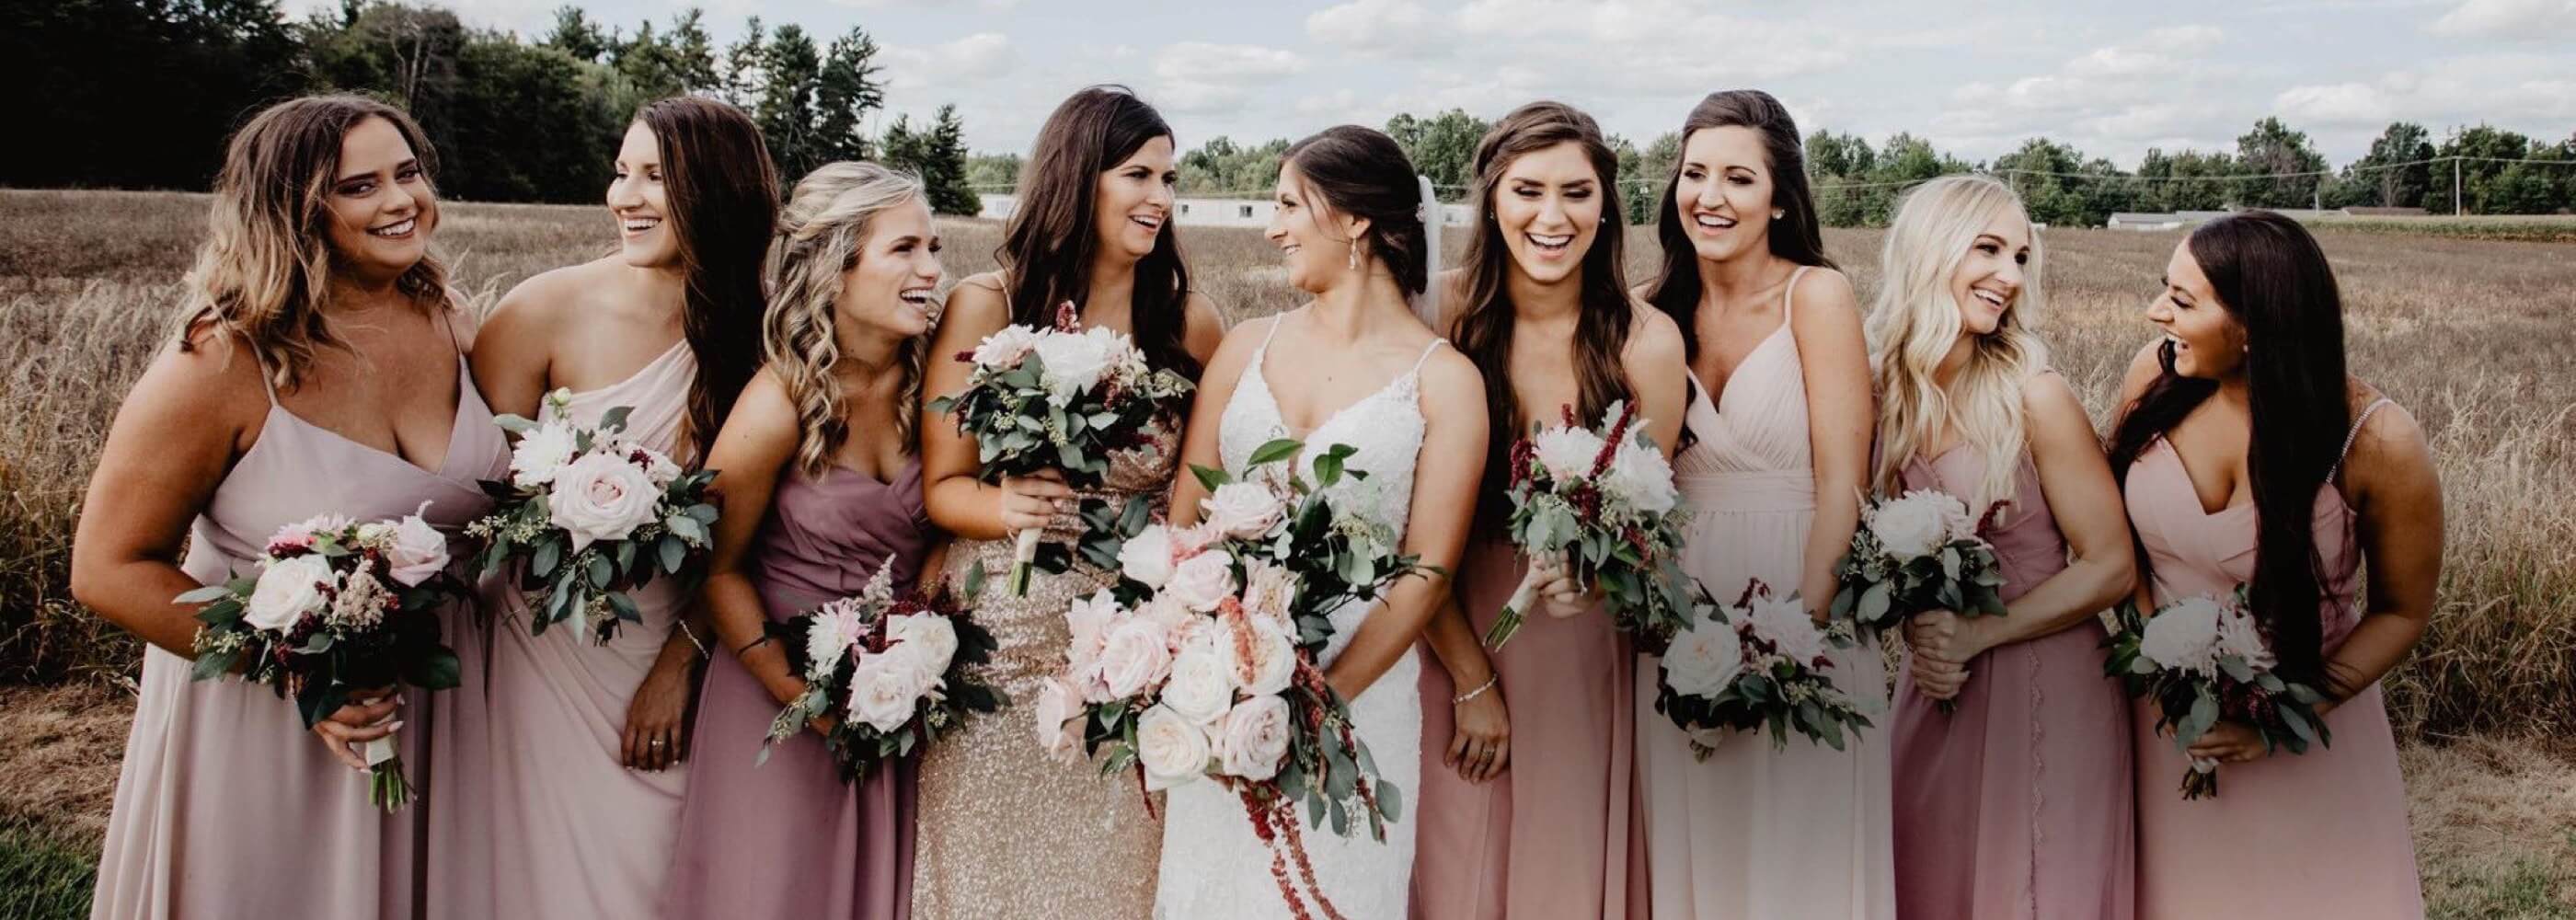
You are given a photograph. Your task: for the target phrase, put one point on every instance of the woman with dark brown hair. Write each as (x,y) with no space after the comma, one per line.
(1003,831)
(1780,429)
(1533,812)
(318,368)
(588,737)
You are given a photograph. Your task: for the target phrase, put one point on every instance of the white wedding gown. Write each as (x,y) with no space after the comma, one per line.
(1213,865)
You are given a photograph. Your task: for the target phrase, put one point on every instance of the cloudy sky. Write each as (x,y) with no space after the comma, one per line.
(1976,78)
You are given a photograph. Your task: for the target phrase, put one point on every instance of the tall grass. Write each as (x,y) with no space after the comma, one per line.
(2470,335)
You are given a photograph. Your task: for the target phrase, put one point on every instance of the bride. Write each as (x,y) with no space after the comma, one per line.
(1356,366)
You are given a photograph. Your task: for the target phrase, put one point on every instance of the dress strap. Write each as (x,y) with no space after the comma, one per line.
(1276,321)
(1426,357)
(2354,435)
(1788,302)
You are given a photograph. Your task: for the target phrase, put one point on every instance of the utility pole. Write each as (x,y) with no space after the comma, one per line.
(2459,196)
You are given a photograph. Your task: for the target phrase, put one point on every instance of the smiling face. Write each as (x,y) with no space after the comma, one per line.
(1988,279)
(2207,341)
(1132,202)
(1724,192)
(381,207)
(888,291)
(641,203)
(1548,209)
(1315,239)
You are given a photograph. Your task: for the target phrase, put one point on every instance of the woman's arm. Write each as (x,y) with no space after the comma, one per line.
(1659,373)
(754,450)
(1199,445)
(2398,496)
(1841,414)
(1445,479)
(959,501)
(513,349)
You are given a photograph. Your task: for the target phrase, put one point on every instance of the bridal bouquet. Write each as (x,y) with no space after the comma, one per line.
(1603,500)
(2203,659)
(337,608)
(1914,553)
(1759,662)
(592,515)
(890,674)
(1201,663)
(1063,398)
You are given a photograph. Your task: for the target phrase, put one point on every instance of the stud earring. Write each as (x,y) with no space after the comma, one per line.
(1776,215)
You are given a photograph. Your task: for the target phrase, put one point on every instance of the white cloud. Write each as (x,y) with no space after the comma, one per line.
(1378,26)
(972,59)
(2339,103)
(2512,20)
(1204,77)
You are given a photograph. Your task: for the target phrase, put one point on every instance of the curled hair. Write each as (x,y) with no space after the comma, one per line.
(1797,236)
(724,204)
(2271,277)
(264,271)
(821,235)
(1048,244)
(1916,321)
(1484,330)
(1362,172)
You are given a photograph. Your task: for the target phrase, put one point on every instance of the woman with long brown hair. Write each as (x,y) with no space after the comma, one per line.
(1780,428)
(1003,831)
(589,737)
(1532,812)
(318,367)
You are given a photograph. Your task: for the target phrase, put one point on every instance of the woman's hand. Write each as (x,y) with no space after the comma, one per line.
(1560,594)
(1033,502)
(2230,741)
(657,717)
(366,717)
(1942,643)
(1481,747)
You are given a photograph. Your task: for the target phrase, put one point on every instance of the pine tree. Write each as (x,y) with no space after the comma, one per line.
(944,169)
(787,112)
(845,92)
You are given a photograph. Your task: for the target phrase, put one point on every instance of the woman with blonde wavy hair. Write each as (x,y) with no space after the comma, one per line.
(2033,761)
(318,367)
(822,485)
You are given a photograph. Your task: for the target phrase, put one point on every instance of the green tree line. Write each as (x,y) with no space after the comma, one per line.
(514,119)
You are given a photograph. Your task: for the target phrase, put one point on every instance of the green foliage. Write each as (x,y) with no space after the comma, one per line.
(45,872)
(937,154)
(1221,167)
(1442,146)
(996,172)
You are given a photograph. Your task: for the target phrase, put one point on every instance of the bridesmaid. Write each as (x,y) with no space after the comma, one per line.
(1779,431)
(1003,830)
(317,368)
(2016,803)
(1535,814)
(589,737)
(2251,457)
(823,488)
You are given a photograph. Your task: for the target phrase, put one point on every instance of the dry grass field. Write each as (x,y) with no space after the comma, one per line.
(2472,335)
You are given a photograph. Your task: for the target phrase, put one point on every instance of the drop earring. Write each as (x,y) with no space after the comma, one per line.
(1355,255)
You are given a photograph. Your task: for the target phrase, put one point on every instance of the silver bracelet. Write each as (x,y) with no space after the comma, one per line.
(1461,699)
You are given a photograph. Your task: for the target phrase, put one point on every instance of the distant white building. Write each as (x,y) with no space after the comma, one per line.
(2129,220)
(1215,212)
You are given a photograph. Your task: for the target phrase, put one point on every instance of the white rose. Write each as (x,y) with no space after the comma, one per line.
(1253,739)
(1166,610)
(1640,477)
(2240,636)
(1146,558)
(541,454)
(1202,683)
(288,590)
(933,640)
(1075,361)
(1242,510)
(1567,452)
(1272,664)
(1784,623)
(415,550)
(1705,659)
(603,497)
(1089,620)
(1270,593)
(1916,525)
(2184,637)
(884,688)
(1172,748)
(1202,581)
(1058,706)
(1006,347)
(1138,656)
(658,466)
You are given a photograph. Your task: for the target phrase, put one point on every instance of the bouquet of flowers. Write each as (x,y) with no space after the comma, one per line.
(1915,553)
(1063,398)
(1201,663)
(1605,501)
(889,673)
(337,608)
(2203,659)
(1760,662)
(593,516)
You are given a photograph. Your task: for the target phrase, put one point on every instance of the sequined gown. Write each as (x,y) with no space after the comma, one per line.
(1003,831)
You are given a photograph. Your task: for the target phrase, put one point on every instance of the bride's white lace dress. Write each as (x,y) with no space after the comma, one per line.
(1213,865)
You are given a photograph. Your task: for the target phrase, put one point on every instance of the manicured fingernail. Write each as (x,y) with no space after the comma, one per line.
(394,727)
